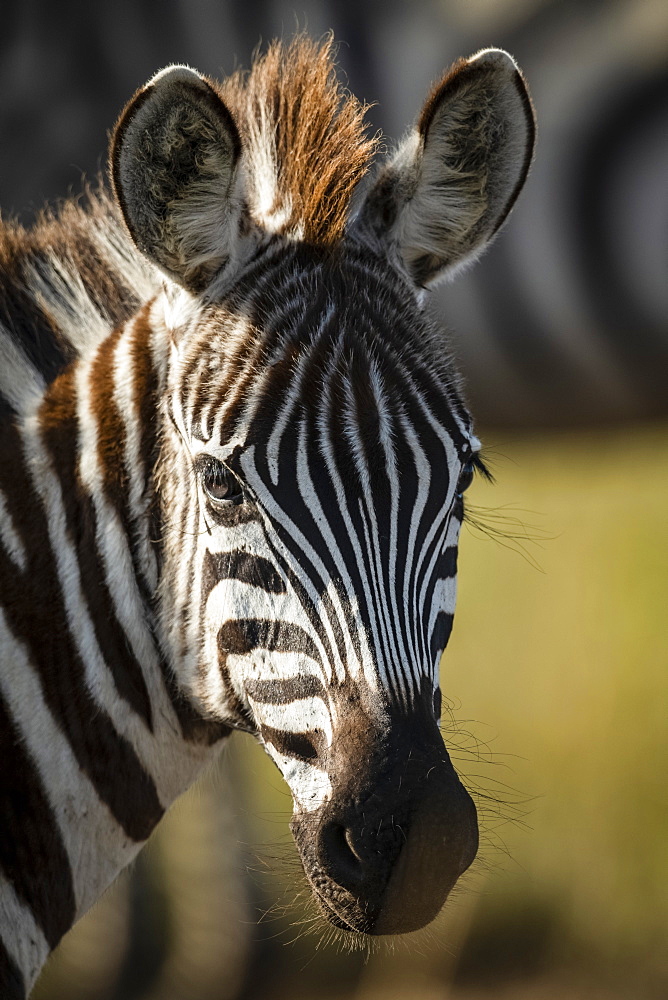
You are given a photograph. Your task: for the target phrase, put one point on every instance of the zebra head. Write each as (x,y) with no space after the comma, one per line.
(315,444)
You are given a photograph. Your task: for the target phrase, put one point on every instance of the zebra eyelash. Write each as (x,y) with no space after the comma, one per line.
(474,465)
(482,468)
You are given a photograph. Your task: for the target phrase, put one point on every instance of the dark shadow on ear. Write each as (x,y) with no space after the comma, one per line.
(452,183)
(173,158)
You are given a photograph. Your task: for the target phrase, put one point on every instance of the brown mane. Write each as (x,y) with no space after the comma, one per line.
(68,280)
(292,112)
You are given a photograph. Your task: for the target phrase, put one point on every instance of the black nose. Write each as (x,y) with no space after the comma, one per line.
(339,855)
(385,865)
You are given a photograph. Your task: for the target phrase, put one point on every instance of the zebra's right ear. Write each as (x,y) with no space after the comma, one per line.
(451,184)
(173,158)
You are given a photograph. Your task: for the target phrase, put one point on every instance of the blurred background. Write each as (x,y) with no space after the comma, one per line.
(557,671)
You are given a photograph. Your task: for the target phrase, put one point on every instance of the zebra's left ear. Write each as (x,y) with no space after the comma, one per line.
(173,158)
(451,184)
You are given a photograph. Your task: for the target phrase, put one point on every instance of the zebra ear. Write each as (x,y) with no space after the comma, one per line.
(173,158)
(453,181)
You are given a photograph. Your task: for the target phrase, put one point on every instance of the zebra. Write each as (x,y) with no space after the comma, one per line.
(234,452)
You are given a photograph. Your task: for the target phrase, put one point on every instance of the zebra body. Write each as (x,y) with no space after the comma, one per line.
(233,452)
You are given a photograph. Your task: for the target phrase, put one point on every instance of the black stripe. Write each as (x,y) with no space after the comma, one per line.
(243,566)
(32,853)
(11,979)
(27,323)
(7,411)
(441,634)
(447,567)
(304,746)
(82,524)
(424,612)
(36,614)
(282,692)
(243,635)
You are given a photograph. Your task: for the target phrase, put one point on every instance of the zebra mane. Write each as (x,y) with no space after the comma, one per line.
(75,275)
(305,139)
(64,285)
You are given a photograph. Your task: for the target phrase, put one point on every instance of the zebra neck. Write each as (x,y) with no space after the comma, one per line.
(97,741)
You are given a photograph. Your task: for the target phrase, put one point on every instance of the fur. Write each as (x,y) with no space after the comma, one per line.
(305,137)
(453,181)
(145,613)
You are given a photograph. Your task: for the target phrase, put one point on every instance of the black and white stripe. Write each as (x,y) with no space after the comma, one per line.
(231,498)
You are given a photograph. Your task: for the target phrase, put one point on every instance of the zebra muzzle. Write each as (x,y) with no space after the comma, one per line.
(382,858)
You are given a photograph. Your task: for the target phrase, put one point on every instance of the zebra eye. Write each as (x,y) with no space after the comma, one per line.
(465,477)
(218,482)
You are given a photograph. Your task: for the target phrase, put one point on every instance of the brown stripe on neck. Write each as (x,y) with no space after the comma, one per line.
(61,435)
(32,854)
(112,457)
(36,613)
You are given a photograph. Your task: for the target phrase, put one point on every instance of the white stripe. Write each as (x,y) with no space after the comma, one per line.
(170,764)
(58,289)
(274,443)
(378,612)
(310,497)
(304,715)
(180,612)
(180,608)
(448,537)
(401,655)
(270,665)
(423,472)
(135,270)
(20,383)
(445,591)
(138,493)
(444,599)
(9,536)
(21,935)
(352,434)
(95,843)
(310,786)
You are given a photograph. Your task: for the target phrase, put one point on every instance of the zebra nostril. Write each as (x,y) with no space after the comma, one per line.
(339,855)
